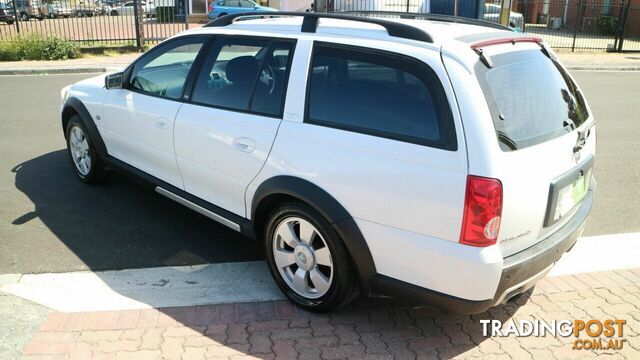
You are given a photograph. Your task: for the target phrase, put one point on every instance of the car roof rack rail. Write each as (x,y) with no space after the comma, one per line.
(310,22)
(432,17)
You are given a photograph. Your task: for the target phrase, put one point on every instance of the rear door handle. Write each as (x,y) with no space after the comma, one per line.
(162,124)
(244,144)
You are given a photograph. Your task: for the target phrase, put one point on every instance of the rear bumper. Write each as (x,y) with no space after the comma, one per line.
(520,271)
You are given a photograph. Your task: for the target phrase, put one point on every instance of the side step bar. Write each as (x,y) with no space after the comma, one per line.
(197,208)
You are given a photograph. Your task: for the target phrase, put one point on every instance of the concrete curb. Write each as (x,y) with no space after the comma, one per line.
(116,67)
(59,70)
(603,68)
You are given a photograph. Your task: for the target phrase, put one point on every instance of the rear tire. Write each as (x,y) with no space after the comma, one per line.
(25,17)
(308,259)
(85,160)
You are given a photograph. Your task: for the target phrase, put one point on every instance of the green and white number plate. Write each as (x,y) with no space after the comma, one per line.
(571,195)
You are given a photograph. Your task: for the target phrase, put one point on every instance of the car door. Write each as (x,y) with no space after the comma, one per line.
(224,134)
(221,7)
(233,6)
(247,5)
(139,118)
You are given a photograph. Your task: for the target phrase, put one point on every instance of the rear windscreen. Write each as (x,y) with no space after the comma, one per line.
(531,98)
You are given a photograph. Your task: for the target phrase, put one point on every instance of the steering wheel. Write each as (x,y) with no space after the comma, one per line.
(268,78)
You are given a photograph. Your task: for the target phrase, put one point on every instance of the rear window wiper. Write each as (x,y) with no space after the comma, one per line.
(568,123)
(505,139)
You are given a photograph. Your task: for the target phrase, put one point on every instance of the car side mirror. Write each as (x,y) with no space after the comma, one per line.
(113,81)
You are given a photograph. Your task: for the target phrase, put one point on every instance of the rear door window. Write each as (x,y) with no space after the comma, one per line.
(380,94)
(532,99)
(245,74)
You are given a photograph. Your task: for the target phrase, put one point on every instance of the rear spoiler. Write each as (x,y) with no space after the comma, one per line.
(479,45)
(505,40)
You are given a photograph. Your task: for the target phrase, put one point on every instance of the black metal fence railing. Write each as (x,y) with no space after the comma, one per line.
(577,24)
(106,23)
(602,25)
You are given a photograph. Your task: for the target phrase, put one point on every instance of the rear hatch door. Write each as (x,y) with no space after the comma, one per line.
(546,136)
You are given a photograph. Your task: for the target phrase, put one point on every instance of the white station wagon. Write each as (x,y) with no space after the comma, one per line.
(441,159)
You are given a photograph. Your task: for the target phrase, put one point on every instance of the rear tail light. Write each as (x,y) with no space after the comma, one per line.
(482,211)
(211,7)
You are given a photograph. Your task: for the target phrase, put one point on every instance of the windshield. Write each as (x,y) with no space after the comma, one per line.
(531,98)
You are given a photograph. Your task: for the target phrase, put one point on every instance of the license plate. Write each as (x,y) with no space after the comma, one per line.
(567,191)
(570,195)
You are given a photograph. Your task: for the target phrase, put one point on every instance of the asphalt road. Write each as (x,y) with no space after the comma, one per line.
(51,222)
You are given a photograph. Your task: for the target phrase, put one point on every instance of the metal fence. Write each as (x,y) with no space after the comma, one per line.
(604,25)
(109,23)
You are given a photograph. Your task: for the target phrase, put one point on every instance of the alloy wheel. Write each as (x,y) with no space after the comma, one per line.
(79,147)
(303,258)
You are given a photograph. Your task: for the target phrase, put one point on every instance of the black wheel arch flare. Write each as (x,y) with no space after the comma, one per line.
(343,223)
(75,106)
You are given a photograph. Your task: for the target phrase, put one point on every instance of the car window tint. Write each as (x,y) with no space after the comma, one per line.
(244,74)
(377,94)
(164,73)
(549,107)
(246,4)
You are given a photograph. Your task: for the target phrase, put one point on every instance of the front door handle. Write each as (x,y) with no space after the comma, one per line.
(244,144)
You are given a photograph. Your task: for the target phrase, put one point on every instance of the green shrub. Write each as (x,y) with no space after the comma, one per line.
(607,25)
(38,47)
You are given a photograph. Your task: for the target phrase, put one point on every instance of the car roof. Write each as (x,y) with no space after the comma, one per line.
(454,36)
(442,32)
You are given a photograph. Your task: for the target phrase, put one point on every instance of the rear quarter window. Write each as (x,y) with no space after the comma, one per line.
(531,98)
(380,94)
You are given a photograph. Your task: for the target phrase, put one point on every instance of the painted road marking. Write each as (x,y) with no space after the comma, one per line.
(241,282)
(148,288)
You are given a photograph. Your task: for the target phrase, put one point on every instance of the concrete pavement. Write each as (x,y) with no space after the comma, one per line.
(87,64)
(20,319)
(376,328)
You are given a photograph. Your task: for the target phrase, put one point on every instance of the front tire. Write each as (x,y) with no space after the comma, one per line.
(308,259)
(84,158)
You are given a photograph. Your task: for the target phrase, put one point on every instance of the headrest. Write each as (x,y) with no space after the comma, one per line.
(242,69)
